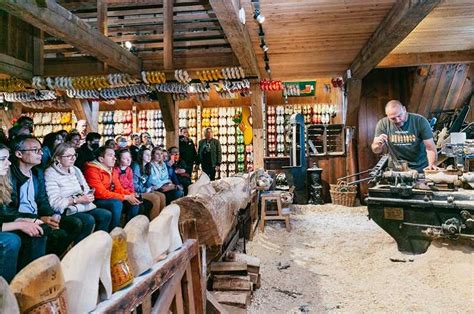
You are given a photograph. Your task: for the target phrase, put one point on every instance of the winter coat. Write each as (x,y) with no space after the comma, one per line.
(125,178)
(61,185)
(159,176)
(105,182)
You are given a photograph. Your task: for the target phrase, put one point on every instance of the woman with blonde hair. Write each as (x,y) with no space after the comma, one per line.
(21,240)
(69,194)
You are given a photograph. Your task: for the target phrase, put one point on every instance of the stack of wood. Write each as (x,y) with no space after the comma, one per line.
(234,279)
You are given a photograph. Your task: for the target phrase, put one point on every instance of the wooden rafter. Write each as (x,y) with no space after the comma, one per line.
(237,35)
(168,34)
(15,67)
(414,59)
(404,16)
(59,22)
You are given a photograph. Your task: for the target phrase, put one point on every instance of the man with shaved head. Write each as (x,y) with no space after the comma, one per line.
(408,134)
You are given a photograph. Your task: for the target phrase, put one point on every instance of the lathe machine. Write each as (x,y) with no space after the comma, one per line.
(415,208)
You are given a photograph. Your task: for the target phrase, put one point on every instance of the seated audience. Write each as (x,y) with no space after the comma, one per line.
(179,166)
(141,175)
(29,197)
(69,194)
(109,193)
(86,152)
(21,242)
(50,142)
(110,143)
(121,142)
(74,139)
(64,134)
(134,145)
(125,175)
(145,139)
(159,179)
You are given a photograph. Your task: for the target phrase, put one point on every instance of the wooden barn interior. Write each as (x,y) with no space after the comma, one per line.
(337,63)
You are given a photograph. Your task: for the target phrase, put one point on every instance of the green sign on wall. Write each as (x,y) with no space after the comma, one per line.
(300,89)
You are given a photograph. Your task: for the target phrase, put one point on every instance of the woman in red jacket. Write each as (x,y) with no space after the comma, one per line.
(109,193)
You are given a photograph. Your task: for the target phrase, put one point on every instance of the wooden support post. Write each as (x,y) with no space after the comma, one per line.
(38,52)
(197,285)
(168,34)
(413,59)
(102,22)
(257,103)
(354,88)
(61,23)
(169,111)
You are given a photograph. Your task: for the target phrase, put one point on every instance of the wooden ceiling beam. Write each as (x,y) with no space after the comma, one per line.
(237,35)
(92,4)
(395,60)
(404,16)
(59,22)
(15,67)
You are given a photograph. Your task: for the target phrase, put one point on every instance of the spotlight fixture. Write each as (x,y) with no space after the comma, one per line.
(265,57)
(261,33)
(258,17)
(263,45)
(128,45)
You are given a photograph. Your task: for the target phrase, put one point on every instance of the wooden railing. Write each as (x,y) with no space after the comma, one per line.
(174,284)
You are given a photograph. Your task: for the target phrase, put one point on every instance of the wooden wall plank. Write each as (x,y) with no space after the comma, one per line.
(443,87)
(456,85)
(466,89)
(15,67)
(429,91)
(421,75)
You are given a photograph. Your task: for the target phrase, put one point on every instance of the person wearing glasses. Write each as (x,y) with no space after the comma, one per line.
(209,154)
(29,197)
(21,242)
(109,193)
(86,152)
(70,195)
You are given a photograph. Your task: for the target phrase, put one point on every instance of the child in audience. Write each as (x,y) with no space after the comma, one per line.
(141,176)
(160,179)
(109,193)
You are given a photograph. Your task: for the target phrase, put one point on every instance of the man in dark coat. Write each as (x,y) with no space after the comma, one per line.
(209,154)
(187,150)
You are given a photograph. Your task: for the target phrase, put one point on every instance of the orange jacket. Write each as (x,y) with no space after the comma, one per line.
(101,178)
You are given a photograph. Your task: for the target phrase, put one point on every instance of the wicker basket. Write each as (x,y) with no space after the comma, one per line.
(343,194)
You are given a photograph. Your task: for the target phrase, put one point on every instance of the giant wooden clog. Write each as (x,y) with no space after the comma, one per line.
(8,302)
(87,263)
(138,249)
(175,240)
(40,287)
(159,236)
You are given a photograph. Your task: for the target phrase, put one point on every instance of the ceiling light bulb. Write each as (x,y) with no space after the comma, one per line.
(267,68)
(264,46)
(128,45)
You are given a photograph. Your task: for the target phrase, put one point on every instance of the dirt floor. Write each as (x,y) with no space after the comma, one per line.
(336,260)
